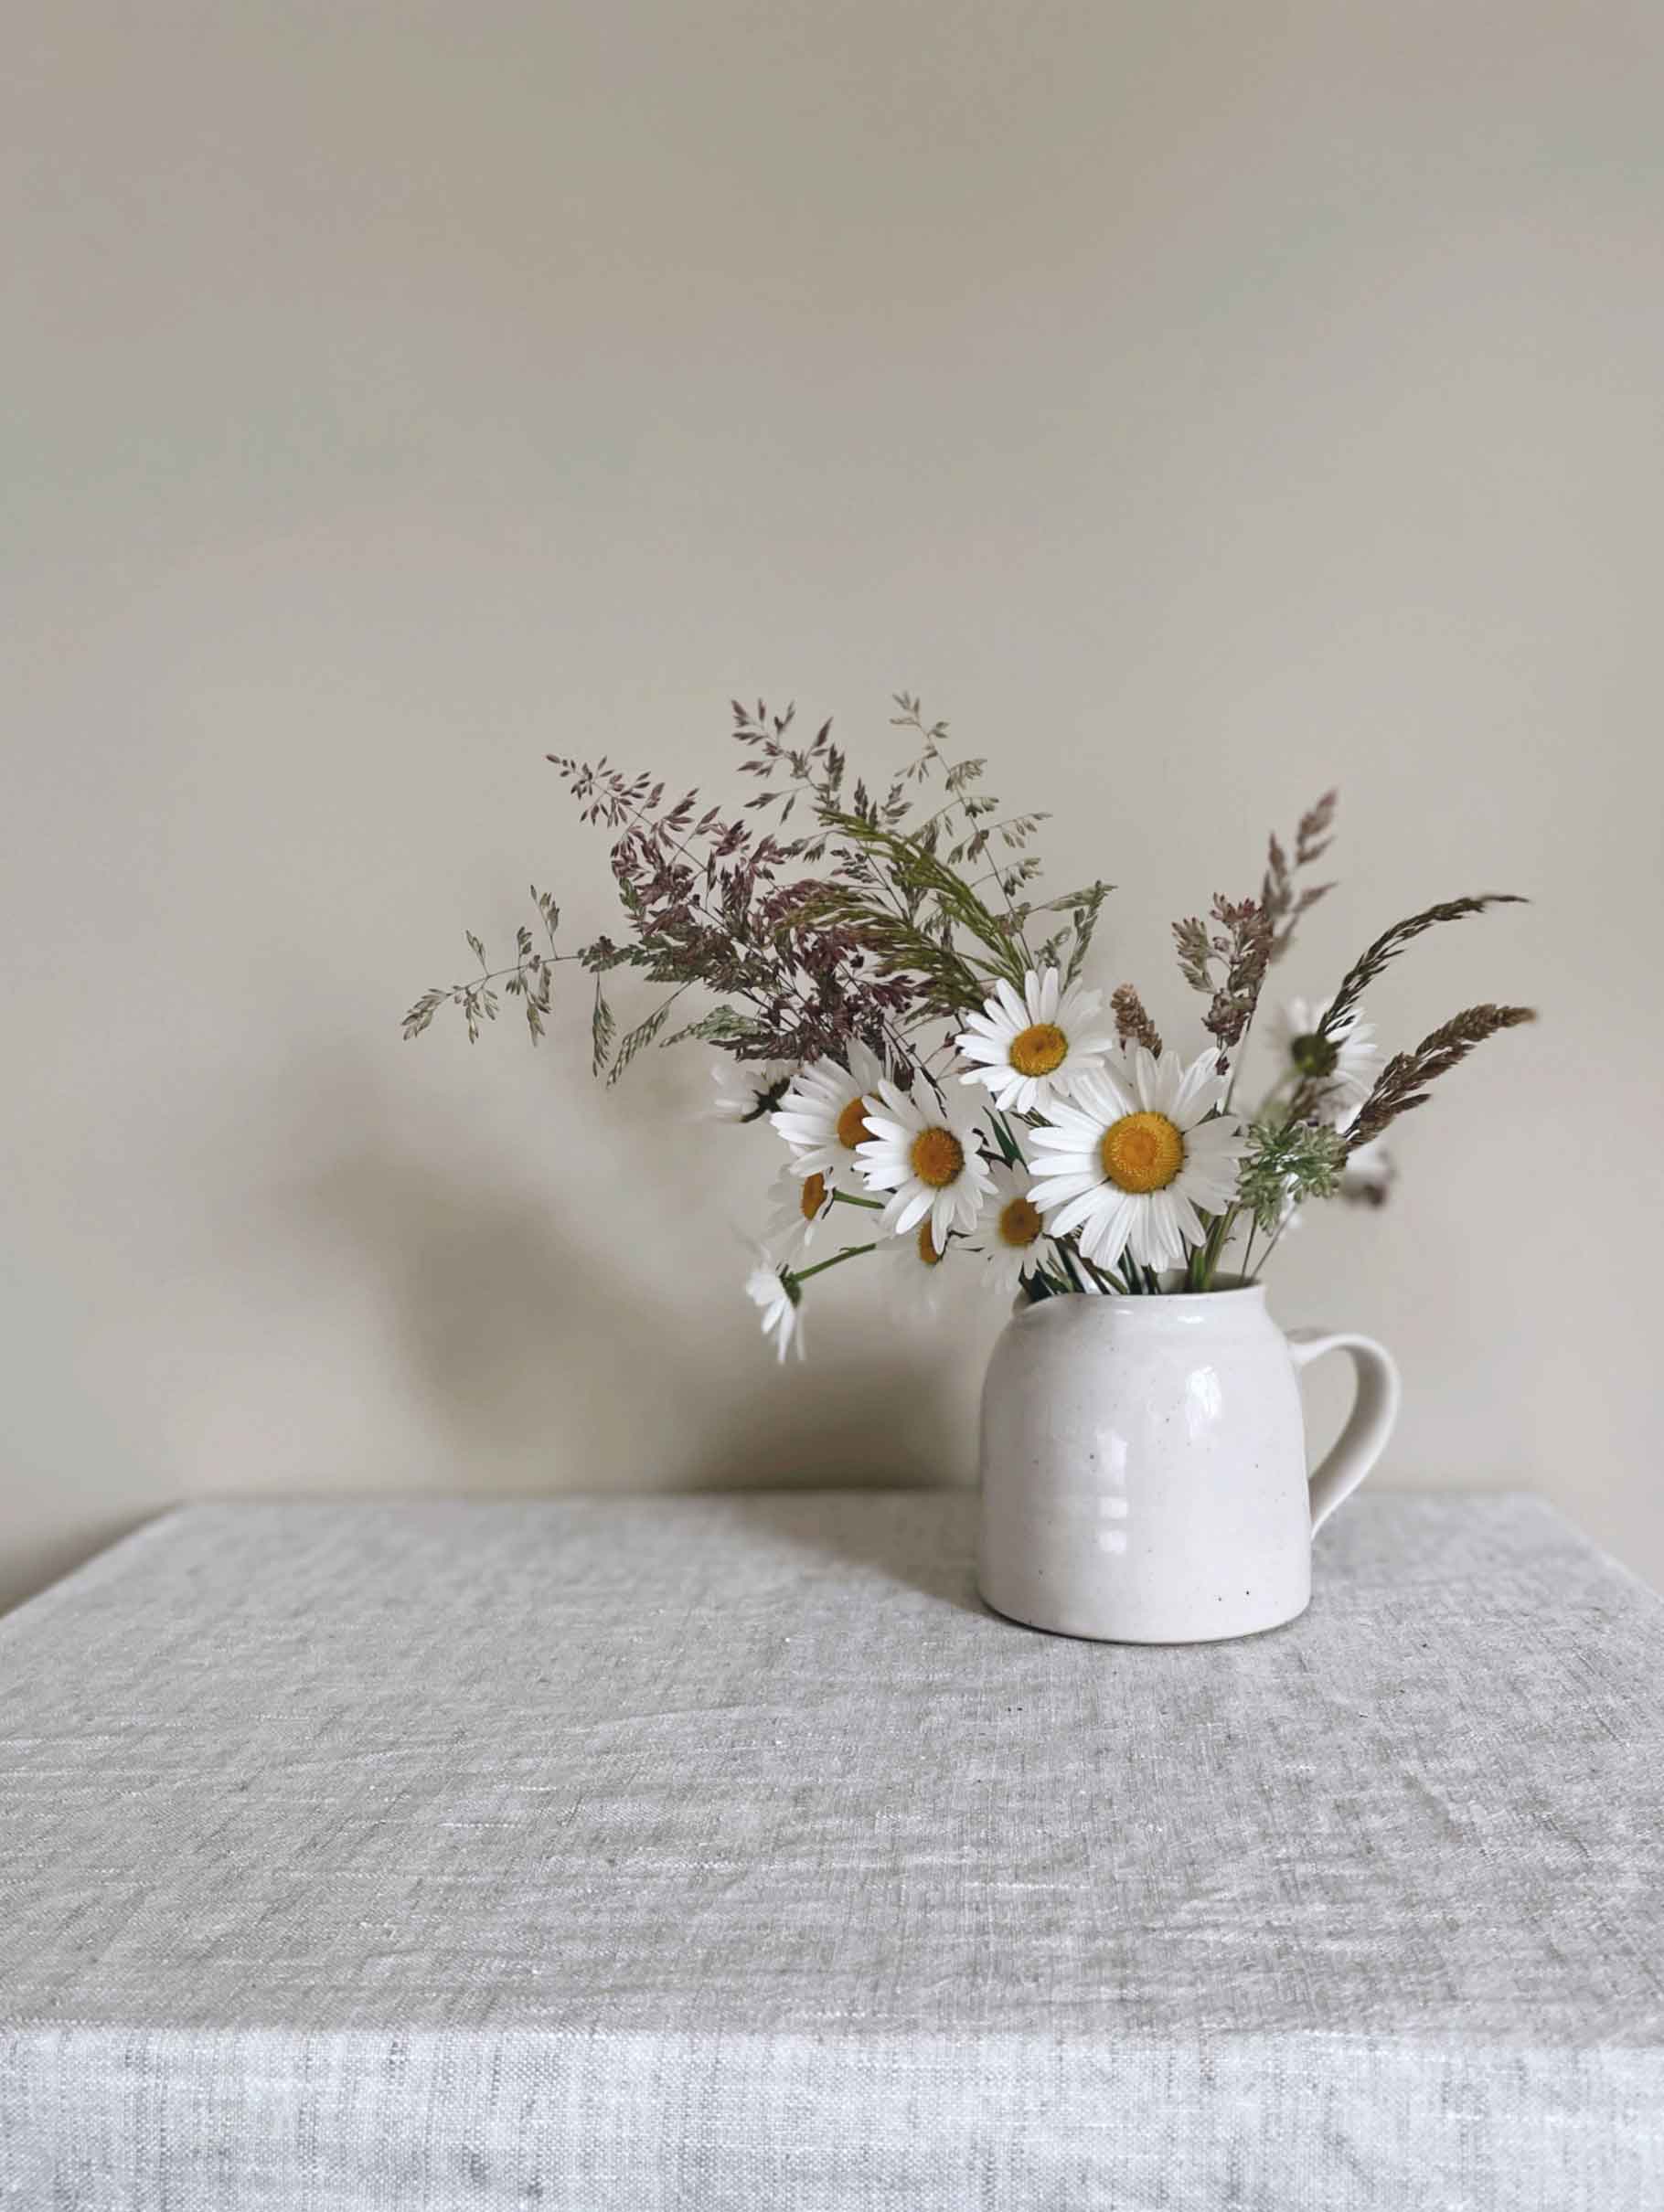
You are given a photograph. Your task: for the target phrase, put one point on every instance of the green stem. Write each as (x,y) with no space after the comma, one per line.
(845,1197)
(850,1252)
(1204,1260)
(1277,1238)
(1216,1242)
(1283,1083)
(1240,1049)
(1196,1271)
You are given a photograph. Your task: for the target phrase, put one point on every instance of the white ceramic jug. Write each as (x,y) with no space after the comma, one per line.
(1143,1465)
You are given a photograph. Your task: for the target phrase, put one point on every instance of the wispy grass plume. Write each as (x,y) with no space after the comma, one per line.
(1403,1082)
(1391,942)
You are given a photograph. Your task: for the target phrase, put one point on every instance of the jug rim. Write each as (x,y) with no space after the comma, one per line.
(1230,1294)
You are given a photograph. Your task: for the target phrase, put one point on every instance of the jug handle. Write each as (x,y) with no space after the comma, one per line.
(1369,1425)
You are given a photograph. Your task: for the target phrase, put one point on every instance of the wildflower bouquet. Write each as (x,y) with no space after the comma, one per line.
(886,989)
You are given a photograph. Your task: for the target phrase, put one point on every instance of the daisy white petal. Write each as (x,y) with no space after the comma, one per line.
(1061,1216)
(1157,1082)
(905,1211)
(1060,1189)
(1104,1238)
(1109,1090)
(1201,1089)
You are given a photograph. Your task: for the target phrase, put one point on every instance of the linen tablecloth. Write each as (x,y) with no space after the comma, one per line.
(609,1855)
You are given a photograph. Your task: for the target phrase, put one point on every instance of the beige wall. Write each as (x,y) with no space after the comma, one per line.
(1198,404)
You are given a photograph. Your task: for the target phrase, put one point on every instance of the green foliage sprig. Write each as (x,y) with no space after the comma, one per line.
(1285,1163)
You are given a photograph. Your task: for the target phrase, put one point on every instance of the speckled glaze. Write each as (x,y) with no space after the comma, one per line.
(1144,1474)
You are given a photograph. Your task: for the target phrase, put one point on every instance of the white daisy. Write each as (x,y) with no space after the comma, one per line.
(913,1272)
(775,1290)
(1346,1063)
(1012,1232)
(1131,1159)
(801,1202)
(1034,1048)
(926,1151)
(747,1090)
(822,1115)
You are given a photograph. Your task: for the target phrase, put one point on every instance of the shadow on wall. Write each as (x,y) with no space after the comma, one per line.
(523,1356)
(538,1365)
(78,1470)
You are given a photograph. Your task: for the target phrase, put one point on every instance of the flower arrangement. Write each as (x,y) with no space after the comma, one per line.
(884,987)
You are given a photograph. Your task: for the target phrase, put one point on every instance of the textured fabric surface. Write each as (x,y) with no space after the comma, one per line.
(724,1852)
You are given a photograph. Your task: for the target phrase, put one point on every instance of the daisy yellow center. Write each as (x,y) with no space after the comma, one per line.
(1019,1223)
(1314,1055)
(1038,1049)
(814,1196)
(1142,1152)
(938,1157)
(852,1124)
(927,1246)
